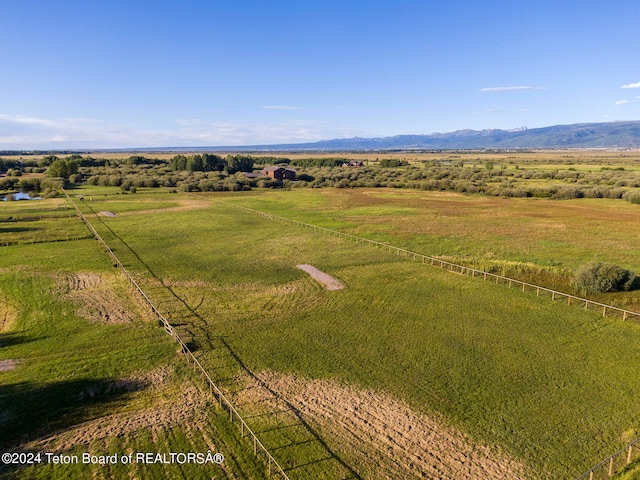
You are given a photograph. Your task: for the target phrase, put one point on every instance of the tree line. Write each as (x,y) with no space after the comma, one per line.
(211,172)
(207,162)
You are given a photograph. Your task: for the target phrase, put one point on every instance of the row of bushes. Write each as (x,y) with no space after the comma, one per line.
(372,177)
(139,171)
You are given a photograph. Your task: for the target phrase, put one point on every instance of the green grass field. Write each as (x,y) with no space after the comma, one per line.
(536,240)
(79,385)
(550,385)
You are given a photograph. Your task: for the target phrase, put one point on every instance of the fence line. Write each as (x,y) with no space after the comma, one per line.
(8,243)
(453,267)
(188,355)
(613,464)
(605,469)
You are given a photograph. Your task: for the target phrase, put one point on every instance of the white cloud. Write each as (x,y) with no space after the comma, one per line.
(517,88)
(631,85)
(625,101)
(19,132)
(61,122)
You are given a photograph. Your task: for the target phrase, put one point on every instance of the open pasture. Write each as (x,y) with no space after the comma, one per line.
(541,241)
(77,377)
(38,221)
(550,386)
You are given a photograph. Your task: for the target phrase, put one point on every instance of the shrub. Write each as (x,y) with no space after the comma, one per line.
(569,192)
(393,162)
(48,193)
(600,277)
(632,197)
(52,184)
(75,178)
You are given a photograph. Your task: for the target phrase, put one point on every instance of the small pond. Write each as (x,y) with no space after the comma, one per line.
(20,196)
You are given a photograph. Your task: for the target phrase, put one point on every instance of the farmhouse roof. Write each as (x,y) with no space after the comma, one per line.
(275,168)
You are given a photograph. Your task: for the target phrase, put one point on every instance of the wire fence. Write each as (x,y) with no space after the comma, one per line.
(31,241)
(273,468)
(585,303)
(605,469)
(616,462)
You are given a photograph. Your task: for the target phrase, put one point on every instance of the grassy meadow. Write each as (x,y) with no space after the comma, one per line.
(77,379)
(541,241)
(550,385)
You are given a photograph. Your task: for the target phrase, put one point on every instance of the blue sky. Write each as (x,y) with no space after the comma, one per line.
(117,74)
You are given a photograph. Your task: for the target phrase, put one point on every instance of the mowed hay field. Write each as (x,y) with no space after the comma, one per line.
(540,389)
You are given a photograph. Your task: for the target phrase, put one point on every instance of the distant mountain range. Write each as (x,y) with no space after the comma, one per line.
(580,135)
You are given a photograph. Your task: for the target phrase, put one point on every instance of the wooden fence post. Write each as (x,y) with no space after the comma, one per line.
(189,357)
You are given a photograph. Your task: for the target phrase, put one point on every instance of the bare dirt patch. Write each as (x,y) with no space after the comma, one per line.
(102,306)
(6,365)
(7,316)
(108,214)
(82,281)
(95,298)
(318,275)
(153,379)
(385,438)
(186,408)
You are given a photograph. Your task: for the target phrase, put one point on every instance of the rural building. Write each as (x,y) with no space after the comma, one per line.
(280,173)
